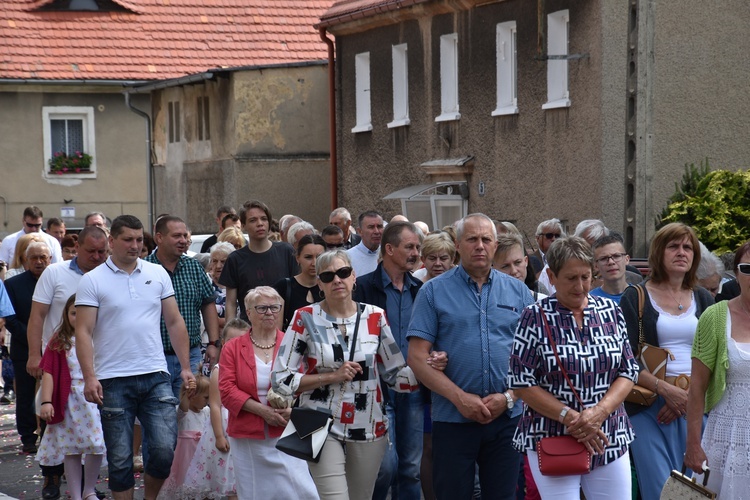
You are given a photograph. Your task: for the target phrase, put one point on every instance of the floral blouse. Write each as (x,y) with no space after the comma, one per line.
(594,356)
(319,343)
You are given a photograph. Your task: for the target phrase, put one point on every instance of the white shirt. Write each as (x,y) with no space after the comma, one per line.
(127,336)
(8,248)
(364,260)
(56,284)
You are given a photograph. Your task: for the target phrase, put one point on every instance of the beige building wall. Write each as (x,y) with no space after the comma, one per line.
(120,183)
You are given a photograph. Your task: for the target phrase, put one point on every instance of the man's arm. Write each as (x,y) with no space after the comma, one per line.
(178,336)
(470,405)
(85,323)
(230,309)
(211,322)
(34,331)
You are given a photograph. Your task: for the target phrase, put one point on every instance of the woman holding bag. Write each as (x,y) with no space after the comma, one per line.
(320,338)
(671,308)
(572,365)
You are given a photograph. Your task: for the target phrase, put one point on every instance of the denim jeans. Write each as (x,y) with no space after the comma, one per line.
(148,397)
(173,365)
(400,467)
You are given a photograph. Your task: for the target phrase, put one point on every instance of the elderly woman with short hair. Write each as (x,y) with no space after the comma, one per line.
(438,254)
(589,337)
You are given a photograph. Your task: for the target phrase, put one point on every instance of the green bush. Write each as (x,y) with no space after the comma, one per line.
(715,203)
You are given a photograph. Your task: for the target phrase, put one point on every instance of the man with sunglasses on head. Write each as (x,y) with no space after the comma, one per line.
(32,223)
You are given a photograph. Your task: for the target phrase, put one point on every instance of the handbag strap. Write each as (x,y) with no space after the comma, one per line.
(557,357)
(641,300)
(353,343)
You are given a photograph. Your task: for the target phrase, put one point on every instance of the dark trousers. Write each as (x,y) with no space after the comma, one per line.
(458,448)
(25,412)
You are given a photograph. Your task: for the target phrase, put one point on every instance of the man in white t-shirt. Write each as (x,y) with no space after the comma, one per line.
(119,306)
(32,223)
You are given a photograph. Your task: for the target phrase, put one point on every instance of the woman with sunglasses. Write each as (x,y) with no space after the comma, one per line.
(671,308)
(253,428)
(320,338)
(719,386)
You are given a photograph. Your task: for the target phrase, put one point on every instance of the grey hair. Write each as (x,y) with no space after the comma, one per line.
(592,228)
(287,222)
(477,215)
(100,214)
(550,223)
(512,229)
(204,259)
(341,212)
(568,248)
(291,235)
(38,244)
(223,247)
(326,259)
(710,264)
(260,291)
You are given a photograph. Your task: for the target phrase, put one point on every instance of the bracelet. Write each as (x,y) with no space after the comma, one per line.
(656,387)
(46,403)
(563,414)
(320,380)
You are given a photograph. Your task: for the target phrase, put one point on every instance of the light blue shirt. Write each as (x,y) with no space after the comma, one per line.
(598,292)
(475,327)
(399,305)
(6,307)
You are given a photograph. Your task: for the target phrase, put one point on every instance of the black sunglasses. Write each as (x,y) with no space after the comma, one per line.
(744,268)
(550,236)
(342,272)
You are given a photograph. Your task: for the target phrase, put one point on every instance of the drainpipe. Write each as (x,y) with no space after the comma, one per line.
(332,118)
(149,166)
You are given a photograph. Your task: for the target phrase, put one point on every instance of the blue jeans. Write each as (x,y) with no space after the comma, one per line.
(458,448)
(173,365)
(400,467)
(148,397)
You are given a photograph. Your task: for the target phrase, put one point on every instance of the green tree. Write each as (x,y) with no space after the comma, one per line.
(715,203)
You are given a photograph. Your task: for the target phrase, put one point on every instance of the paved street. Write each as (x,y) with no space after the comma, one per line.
(20,476)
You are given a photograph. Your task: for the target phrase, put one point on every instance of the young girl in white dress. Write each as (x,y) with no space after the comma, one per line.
(211,473)
(192,414)
(73,424)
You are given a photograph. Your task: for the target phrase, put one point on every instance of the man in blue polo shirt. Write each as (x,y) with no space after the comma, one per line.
(471,312)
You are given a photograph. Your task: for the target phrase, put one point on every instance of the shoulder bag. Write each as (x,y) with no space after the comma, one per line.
(562,455)
(307,429)
(681,487)
(649,357)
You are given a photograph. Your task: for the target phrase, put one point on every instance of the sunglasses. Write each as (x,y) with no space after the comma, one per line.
(551,236)
(342,272)
(744,268)
(334,245)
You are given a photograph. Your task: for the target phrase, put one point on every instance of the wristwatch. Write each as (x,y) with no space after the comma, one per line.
(511,403)
(216,343)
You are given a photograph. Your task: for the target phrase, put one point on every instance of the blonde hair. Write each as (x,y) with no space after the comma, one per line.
(201,386)
(19,257)
(234,236)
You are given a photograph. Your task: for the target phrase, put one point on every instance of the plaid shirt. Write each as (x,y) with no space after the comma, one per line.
(192,289)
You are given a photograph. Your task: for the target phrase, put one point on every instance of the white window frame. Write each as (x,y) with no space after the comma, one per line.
(507,67)
(84,113)
(557,69)
(400,86)
(362,89)
(448,78)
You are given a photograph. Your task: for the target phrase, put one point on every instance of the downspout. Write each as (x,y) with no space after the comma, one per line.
(149,166)
(332,119)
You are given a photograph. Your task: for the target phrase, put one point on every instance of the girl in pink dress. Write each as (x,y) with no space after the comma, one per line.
(73,425)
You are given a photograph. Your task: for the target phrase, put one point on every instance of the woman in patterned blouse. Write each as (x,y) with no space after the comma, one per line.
(592,343)
(318,338)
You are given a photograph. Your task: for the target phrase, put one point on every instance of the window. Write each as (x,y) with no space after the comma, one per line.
(507,80)
(557,64)
(204,124)
(83,5)
(448,78)
(362,79)
(69,130)
(173,110)
(400,86)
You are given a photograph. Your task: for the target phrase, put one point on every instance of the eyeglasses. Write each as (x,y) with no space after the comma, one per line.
(551,236)
(616,257)
(744,268)
(274,308)
(342,272)
(33,226)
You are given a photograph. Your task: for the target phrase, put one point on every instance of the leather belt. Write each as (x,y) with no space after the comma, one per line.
(682,381)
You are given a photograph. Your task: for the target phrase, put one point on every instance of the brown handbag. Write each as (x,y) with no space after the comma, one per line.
(562,455)
(650,357)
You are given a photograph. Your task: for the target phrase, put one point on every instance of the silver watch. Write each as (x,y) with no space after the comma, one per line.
(511,403)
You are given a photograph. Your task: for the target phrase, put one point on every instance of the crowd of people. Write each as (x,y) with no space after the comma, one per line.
(446,357)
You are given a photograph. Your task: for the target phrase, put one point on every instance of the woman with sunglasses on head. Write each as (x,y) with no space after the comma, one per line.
(253,427)
(321,338)
(719,386)
(672,305)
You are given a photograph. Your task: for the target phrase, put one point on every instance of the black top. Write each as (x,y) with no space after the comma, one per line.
(20,291)
(210,241)
(295,296)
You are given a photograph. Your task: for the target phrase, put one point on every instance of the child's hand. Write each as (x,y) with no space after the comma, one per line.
(47,412)
(222,444)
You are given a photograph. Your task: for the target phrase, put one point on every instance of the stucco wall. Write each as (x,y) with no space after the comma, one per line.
(535,165)
(120,183)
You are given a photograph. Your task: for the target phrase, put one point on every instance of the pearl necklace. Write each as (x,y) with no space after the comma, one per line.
(259,346)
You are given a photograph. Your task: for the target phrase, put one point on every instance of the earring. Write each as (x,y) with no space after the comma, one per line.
(322,294)
(354,286)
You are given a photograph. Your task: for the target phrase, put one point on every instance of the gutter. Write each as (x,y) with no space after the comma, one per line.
(353,15)
(149,165)
(332,119)
(163,84)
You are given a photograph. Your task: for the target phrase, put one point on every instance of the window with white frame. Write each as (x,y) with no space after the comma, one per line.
(362,89)
(557,64)
(69,140)
(400,86)
(448,78)
(507,80)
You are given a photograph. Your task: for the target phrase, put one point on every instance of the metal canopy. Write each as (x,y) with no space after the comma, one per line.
(439,188)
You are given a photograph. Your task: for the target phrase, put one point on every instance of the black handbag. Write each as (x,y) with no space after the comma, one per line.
(307,430)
